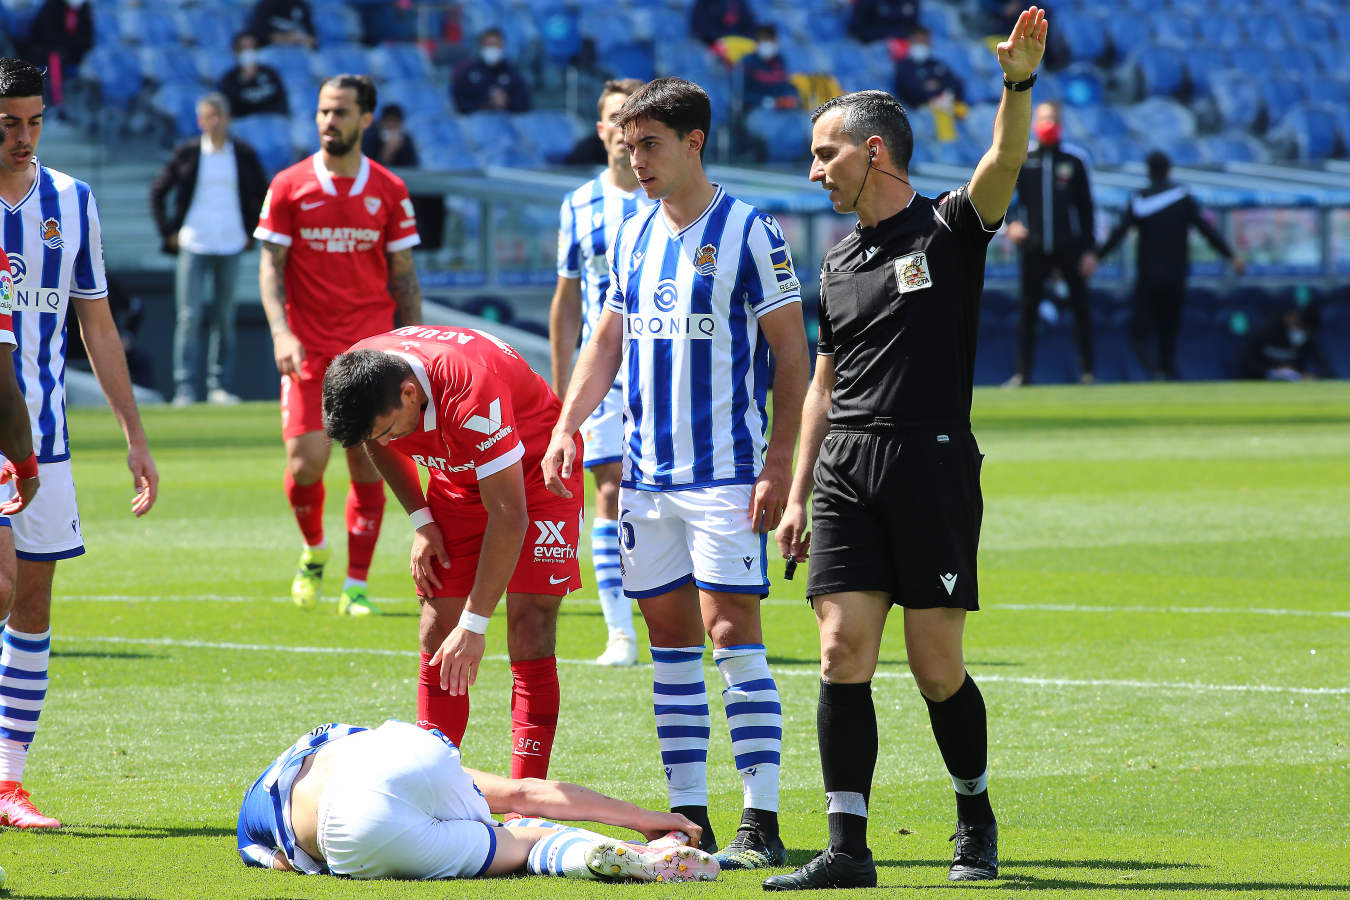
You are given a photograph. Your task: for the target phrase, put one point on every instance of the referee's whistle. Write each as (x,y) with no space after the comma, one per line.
(790,569)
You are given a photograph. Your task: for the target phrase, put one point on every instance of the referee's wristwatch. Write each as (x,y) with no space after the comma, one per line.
(1024,85)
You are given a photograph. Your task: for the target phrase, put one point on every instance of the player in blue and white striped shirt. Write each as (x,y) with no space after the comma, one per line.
(588,222)
(49,228)
(703,290)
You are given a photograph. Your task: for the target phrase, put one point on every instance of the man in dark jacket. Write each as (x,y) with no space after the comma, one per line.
(252,88)
(1052,221)
(1286,348)
(1164,212)
(920,76)
(488,80)
(766,76)
(218,187)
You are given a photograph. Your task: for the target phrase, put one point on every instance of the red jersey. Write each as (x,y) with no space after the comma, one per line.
(339,231)
(6,303)
(487,409)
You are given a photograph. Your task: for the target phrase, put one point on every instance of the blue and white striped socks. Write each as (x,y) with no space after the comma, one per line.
(617,608)
(755,718)
(682,722)
(23,687)
(562,853)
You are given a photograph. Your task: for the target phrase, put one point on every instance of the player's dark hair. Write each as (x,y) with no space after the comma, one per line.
(1158,165)
(20,78)
(680,105)
(358,388)
(361,84)
(626,86)
(493,31)
(868,113)
(240,38)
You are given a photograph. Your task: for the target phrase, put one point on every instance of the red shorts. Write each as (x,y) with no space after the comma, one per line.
(302,400)
(548,556)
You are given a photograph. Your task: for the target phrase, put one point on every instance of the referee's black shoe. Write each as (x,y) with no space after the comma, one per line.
(829,869)
(976,855)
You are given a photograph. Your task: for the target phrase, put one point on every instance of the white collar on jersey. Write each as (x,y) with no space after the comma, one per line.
(32,190)
(420,373)
(717,195)
(326,178)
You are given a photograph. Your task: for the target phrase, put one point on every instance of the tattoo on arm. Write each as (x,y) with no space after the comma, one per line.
(405,288)
(272,283)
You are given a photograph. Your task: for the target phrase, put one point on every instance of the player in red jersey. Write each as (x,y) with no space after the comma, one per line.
(468,409)
(337,231)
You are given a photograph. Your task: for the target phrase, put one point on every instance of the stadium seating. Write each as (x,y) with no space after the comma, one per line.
(270,135)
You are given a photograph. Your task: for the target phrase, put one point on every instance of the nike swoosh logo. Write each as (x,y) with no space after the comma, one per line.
(311,205)
(552,580)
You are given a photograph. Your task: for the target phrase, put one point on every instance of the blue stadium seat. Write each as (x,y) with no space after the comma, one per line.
(270,135)
(552,132)
(493,131)
(1080,85)
(139,26)
(1174,30)
(178,104)
(559,33)
(440,144)
(687,58)
(1201,64)
(616,27)
(1310,129)
(337,59)
(849,64)
(1184,151)
(630,60)
(1279,93)
(1158,70)
(942,20)
(784,133)
(207,27)
(1128,34)
(402,61)
(1159,116)
(212,64)
(1223,31)
(291,61)
(1308,30)
(169,65)
(419,99)
(304,134)
(1082,37)
(1237,97)
(1100,122)
(336,23)
(115,72)
(1234,146)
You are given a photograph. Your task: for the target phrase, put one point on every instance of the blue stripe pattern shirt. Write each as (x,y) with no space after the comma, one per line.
(55,247)
(587,223)
(695,371)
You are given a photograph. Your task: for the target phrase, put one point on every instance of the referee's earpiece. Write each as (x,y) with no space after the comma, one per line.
(871,153)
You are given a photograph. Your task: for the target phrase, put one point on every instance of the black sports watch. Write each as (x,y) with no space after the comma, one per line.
(1020,85)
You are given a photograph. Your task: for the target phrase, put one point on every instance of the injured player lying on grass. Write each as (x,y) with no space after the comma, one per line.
(394,802)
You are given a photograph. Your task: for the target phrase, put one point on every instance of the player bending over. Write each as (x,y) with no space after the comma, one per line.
(394,802)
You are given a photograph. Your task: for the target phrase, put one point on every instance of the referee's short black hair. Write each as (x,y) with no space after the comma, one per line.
(361,84)
(874,112)
(20,78)
(680,105)
(358,388)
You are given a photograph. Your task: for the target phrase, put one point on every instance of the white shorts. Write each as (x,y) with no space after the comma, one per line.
(50,527)
(668,538)
(603,432)
(398,805)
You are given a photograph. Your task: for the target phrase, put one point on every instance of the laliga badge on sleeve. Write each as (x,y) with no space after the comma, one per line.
(911,273)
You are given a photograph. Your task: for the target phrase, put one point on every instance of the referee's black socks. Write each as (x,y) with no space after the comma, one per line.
(846,726)
(963,739)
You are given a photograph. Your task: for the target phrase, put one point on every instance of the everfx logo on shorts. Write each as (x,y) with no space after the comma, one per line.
(551,545)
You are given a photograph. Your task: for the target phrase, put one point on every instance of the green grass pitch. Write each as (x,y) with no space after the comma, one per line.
(1164,650)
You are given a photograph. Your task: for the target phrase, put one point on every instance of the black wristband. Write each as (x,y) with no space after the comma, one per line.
(1020,85)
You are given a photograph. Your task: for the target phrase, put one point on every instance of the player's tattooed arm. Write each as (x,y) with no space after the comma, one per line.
(286,348)
(405,288)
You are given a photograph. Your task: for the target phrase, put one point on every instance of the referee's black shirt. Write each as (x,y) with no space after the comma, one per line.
(899,310)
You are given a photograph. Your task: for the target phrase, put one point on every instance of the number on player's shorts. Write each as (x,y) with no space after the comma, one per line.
(626,534)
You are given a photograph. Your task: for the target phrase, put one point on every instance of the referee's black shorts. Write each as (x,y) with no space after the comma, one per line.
(898,509)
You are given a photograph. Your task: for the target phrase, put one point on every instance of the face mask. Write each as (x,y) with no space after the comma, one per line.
(75,4)
(492,55)
(768,49)
(1297,336)
(248,57)
(920,52)
(1047,132)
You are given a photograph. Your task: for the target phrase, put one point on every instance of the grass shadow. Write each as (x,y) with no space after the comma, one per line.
(104,654)
(104,830)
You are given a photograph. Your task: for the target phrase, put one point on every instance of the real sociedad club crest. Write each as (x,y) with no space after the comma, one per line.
(51,233)
(705,263)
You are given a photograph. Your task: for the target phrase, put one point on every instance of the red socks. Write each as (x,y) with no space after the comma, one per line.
(435,705)
(307,503)
(365,511)
(534,715)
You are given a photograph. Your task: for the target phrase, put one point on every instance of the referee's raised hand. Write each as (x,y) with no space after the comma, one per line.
(1021,53)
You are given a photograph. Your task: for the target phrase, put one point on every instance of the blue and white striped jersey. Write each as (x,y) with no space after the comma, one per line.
(55,248)
(265,817)
(695,369)
(587,223)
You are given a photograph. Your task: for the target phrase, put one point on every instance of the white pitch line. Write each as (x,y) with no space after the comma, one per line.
(592,601)
(786,671)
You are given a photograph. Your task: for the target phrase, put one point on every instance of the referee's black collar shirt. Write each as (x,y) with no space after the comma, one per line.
(899,312)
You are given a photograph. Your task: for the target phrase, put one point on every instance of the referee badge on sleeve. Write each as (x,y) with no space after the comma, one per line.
(911,272)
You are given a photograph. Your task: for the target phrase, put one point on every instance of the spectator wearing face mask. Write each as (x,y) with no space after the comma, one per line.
(386,142)
(1286,348)
(921,78)
(489,81)
(251,87)
(766,77)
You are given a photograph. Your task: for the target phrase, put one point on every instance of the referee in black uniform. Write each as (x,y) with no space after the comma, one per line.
(886,443)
